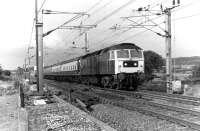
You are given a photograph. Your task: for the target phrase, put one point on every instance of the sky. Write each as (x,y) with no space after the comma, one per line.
(17,22)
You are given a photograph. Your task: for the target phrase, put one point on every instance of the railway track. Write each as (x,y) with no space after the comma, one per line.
(183,116)
(157,95)
(176,97)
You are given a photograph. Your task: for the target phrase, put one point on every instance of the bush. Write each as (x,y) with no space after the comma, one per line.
(7,72)
(153,61)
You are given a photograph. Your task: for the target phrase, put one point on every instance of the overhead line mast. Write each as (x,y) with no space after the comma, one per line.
(39,50)
(168,40)
(167,35)
(39,40)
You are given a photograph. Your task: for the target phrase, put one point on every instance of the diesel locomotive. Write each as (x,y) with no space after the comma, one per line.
(119,66)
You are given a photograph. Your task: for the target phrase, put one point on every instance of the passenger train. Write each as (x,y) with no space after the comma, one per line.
(119,66)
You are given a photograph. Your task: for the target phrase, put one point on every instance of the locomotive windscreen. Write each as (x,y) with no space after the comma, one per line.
(136,53)
(122,54)
(133,53)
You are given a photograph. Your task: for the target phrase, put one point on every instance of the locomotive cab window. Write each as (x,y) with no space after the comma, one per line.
(136,53)
(122,54)
(112,55)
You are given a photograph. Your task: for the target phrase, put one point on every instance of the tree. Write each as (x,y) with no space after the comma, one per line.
(153,61)
(7,72)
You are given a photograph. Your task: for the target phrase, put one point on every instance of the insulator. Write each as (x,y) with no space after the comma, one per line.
(178,2)
(140,9)
(161,7)
(173,2)
(158,14)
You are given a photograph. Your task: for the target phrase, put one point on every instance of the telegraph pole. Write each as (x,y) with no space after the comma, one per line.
(39,50)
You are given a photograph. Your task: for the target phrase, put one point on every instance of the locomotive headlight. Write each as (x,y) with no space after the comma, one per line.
(125,64)
(135,64)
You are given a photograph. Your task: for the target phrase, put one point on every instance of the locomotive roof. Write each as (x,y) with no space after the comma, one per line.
(123,46)
(114,47)
(63,62)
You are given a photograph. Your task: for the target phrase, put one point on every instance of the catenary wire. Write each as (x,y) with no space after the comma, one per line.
(42,5)
(138,33)
(109,15)
(91,8)
(130,29)
(151,5)
(185,17)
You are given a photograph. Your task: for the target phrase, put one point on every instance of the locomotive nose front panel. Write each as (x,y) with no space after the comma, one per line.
(130,64)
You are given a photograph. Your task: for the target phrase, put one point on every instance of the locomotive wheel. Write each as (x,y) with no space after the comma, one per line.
(87,82)
(119,85)
(115,86)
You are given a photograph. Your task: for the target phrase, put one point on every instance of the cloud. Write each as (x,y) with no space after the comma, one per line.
(12,58)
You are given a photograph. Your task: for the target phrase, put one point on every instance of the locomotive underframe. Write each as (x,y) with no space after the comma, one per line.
(119,81)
